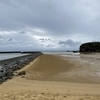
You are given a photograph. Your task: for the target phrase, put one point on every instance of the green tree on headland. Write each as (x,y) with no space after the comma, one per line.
(90,47)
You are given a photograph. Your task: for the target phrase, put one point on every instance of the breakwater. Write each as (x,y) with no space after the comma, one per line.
(8,66)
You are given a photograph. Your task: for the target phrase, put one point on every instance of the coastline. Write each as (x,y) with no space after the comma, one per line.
(45,87)
(8,67)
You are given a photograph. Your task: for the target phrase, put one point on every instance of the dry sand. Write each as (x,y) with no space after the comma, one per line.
(51,77)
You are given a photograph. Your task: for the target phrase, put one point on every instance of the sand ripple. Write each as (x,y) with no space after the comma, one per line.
(29,95)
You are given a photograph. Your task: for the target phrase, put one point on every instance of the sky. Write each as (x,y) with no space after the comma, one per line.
(48,24)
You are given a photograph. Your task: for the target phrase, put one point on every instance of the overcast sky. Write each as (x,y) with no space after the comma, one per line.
(48,24)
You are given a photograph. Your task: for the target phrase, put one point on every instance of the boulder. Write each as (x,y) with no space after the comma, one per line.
(22,73)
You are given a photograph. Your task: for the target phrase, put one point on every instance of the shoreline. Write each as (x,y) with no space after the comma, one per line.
(9,66)
(58,68)
(24,88)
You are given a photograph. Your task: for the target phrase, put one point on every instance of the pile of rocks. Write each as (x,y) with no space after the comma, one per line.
(7,69)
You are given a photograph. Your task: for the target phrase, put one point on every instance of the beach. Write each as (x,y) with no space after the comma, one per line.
(54,77)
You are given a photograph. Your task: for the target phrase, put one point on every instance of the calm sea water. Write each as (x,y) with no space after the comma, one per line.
(10,55)
(13,55)
(64,54)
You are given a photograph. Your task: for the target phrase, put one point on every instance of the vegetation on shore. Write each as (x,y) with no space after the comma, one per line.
(90,47)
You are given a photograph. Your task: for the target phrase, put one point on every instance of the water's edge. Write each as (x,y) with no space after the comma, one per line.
(9,66)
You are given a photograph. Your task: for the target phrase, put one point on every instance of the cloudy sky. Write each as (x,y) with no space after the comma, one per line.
(48,24)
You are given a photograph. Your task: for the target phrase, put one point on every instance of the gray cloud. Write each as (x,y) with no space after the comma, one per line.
(49,21)
(10,40)
(45,39)
(22,32)
(69,43)
(57,17)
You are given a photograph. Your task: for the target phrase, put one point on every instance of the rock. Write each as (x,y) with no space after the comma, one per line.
(7,69)
(2,74)
(1,80)
(15,73)
(9,77)
(9,72)
(22,73)
(4,78)
(23,76)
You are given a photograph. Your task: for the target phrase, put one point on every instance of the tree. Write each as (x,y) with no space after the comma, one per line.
(90,47)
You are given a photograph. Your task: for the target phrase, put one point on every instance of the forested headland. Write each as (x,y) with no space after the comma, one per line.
(90,47)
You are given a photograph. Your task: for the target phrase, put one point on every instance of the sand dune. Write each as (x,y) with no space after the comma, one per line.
(44,81)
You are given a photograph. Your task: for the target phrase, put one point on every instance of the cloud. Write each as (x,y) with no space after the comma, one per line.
(57,17)
(69,44)
(45,39)
(52,23)
(10,39)
(22,32)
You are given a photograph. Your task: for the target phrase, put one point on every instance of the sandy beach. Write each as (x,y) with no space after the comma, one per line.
(52,77)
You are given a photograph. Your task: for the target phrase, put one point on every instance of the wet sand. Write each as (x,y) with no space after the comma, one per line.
(52,77)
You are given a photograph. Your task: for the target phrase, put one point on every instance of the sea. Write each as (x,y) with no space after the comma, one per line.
(5,56)
(62,53)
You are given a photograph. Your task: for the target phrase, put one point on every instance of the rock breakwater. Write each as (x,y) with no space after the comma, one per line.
(9,66)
